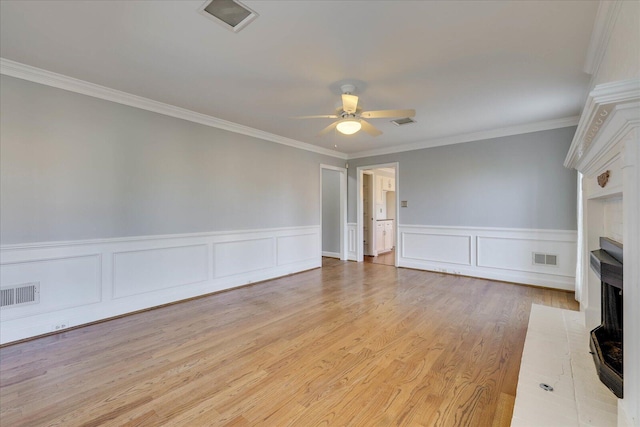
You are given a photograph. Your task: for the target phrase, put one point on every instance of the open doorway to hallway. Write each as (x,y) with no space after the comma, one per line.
(378,208)
(333,211)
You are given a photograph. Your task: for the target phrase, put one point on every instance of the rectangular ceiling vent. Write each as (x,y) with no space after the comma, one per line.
(402,122)
(26,293)
(545,259)
(231,14)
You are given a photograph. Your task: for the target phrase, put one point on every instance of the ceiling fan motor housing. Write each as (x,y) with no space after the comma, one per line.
(348,88)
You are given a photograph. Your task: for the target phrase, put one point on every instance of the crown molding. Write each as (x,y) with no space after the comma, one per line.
(600,35)
(611,112)
(48,78)
(469,137)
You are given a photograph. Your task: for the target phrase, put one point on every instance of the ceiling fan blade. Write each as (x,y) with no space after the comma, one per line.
(369,128)
(329,128)
(349,103)
(379,114)
(325,116)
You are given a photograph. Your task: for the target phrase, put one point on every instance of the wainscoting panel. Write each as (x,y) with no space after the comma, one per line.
(231,258)
(85,281)
(492,253)
(447,248)
(142,271)
(64,283)
(298,248)
(517,254)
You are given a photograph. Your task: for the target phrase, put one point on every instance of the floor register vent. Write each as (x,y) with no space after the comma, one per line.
(27,293)
(545,259)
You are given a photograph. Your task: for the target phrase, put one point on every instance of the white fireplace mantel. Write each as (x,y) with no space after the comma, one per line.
(608,134)
(612,111)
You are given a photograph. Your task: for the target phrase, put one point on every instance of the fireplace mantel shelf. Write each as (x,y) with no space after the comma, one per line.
(608,269)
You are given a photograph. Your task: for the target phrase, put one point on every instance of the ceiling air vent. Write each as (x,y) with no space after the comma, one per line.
(402,122)
(230,14)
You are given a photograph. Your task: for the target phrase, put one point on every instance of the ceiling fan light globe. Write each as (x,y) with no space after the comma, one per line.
(349,127)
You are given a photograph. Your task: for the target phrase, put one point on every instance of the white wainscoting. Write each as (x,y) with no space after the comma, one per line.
(86,281)
(352,241)
(491,253)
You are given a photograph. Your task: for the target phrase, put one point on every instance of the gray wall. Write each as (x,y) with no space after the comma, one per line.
(514,182)
(330,210)
(75,167)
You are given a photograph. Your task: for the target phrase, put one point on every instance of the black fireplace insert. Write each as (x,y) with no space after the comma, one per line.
(606,339)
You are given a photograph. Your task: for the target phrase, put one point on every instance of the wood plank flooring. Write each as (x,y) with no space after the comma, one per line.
(387,258)
(351,344)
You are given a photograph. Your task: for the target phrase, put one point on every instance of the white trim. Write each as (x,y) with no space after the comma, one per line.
(609,114)
(38,75)
(343,209)
(469,137)
(352,240)
(86,281)
(235,235)
(568,235)
(600,35)
(331,254)
(629,407)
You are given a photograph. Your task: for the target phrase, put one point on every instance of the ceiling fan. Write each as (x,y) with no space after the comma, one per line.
(351,117)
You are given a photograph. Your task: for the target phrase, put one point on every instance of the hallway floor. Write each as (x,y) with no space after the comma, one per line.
(387,258)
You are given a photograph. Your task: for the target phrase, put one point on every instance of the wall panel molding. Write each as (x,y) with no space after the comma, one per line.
(65,282)
(91,280)
(492,253)
(148,270)
(352,241)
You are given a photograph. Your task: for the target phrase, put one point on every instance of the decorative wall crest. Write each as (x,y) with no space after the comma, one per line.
(603,178)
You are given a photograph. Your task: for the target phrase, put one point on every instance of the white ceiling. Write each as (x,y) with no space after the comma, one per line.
(465,67)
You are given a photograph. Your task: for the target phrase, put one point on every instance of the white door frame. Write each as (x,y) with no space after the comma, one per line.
(343,209)
(359,224)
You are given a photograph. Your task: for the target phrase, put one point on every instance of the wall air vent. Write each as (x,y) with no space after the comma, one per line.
(545,259)
(402,122)
(26,293)
(231,14)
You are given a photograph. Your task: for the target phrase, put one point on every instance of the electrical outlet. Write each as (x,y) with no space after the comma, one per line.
(60,326)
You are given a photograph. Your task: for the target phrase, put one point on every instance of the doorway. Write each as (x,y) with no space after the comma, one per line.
(333,212)
(377,207)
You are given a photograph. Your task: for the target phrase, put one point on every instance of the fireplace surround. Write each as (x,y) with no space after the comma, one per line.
(608,140)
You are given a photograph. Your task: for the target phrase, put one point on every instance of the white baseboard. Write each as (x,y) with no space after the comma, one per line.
(331,254)
(86,281)
(491,253)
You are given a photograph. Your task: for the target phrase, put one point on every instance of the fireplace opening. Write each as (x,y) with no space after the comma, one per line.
(606,339)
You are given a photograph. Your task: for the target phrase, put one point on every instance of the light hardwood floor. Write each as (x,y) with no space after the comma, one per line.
(387,258)
(351,344)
